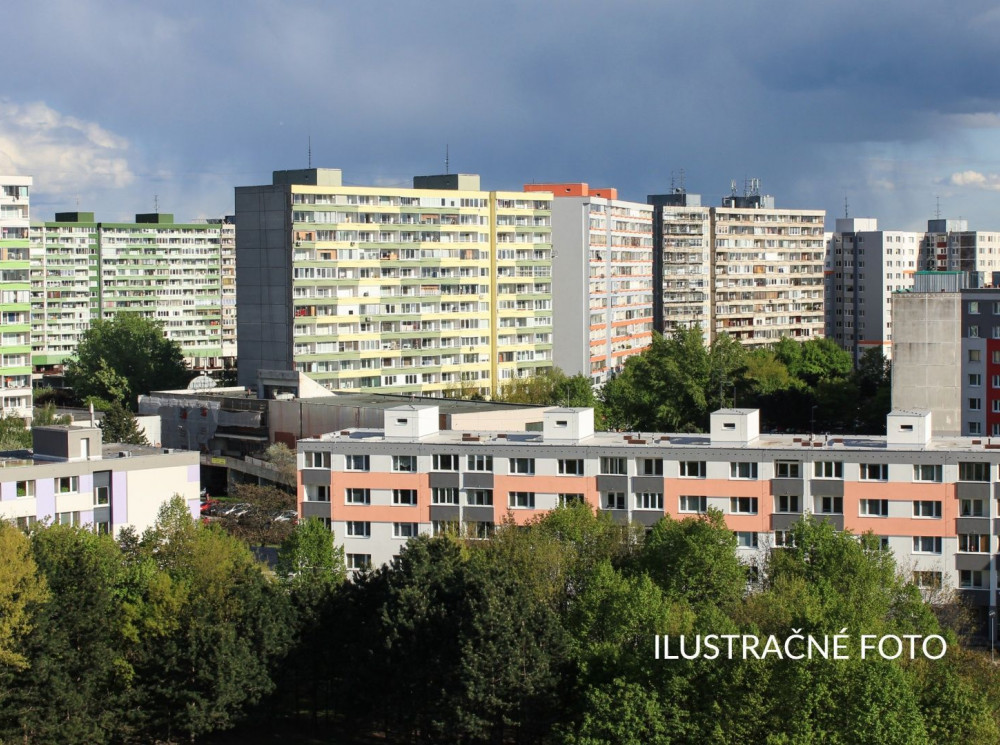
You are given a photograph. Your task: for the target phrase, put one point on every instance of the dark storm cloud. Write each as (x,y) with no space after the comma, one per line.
(873,100)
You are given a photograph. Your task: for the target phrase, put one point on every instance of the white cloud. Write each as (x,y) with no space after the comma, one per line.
(987,181)
(65,155)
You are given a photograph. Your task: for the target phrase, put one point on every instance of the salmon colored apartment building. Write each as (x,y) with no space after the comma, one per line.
(931,500)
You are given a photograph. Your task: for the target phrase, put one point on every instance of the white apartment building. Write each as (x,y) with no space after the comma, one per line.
(15,308)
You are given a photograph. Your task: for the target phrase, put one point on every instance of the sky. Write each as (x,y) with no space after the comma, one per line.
(883,109)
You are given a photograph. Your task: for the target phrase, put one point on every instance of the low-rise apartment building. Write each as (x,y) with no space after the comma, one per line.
(931,500)
(70,477)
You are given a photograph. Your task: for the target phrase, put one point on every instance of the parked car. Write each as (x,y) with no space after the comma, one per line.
(209,506)
(286,516)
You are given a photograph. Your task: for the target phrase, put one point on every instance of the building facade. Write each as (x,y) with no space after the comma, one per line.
(181,274)
(15,308)
(865,266)
(69,477)
(949,245)
(767,271)
(602,272)
(436,289)
(929,499)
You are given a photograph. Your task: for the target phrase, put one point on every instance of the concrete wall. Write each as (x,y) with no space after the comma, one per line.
(570,285)
(263,280)
(927,357)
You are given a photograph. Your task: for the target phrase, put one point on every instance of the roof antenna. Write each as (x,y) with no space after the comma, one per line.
(937,211)
(156,203)
(310,151)
(447,160)
(847,211)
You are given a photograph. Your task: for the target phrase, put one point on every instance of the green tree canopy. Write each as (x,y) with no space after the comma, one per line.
(119,359)
(120,425)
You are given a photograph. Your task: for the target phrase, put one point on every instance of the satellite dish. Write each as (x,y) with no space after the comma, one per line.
(202,383)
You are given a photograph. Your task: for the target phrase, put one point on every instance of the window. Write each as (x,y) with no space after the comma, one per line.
(746,539)
(321,460)
(404,530)
(976,543)
(522,466)
(479,497)
(650,467)
(480,463)
(648,501)
(521,500)
(974,355)
(693,469)
(103,527)
(970,578)
(831,505)
(694,504)
(927,473)
(973,332)
(442,527)
(358,496)
(973,471)
(67,484)
(926,508)
(565,500)
(614,500)
(359,529)
(828,469)
(444,495)
(404,463)
(975,428)
(571,467)
(406,497)
(68,518)
(975,404)
(357,562)
(787,469)
(924,544)
(787,502)
(479,529)
(743,505)
(783,538)
(25,488)
(317,493)
(356,462)
(25,522)
(975,380)
(102,495)
(972,508)
(874,471)
(973,307)
(874,507)
(614,466)
(445,462)
(927,580)
(743,470)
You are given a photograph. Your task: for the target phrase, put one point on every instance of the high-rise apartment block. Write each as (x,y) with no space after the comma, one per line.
(15,308)
(178,273)
(865,266)
(681,262)
(949,245)
(767,270)
(602,278)
(437,288)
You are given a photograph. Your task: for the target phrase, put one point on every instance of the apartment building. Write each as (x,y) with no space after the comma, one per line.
(681,262)
(767,270)
(864,266)
(182,274)
(70,477)
(930,499)
(15,345)
(949,245)
(433,289)
(947,353)
(602,272)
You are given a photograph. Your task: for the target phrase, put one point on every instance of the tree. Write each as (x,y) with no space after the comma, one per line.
(282,457)
(310,555)
(119,359)
(46,414)
(120,425)
(551,387)
(21,590)
(257,525)
(14,433)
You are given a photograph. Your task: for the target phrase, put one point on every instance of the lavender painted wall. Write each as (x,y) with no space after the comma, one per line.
(45,496)
(194,473)
(8,490)
(195,506)
(87,483)
(119,503)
